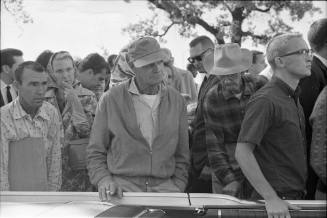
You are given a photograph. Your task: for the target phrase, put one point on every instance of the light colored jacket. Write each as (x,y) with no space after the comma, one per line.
(118,148)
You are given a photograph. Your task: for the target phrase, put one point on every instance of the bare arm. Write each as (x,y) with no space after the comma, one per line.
(250,167)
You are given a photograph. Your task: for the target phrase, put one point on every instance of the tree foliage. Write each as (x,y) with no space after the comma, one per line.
(231,20)
(16,9)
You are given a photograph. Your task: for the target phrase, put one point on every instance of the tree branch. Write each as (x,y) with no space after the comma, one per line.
(262,10)
(165,32)
(227,6)
(260,37)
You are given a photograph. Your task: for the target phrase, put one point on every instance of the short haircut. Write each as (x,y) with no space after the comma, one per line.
(278,46)
(93,61)
(203,40)
(7,56)
(255,53)
(18,74)
(44,58)
(317,34)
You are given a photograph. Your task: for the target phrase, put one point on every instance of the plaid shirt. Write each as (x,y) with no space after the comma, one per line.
(223,115)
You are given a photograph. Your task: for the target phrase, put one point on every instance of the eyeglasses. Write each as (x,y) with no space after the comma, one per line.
(299,52)
(198,57)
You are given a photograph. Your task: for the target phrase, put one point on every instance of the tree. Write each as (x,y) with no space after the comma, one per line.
(233,19)
(16,9)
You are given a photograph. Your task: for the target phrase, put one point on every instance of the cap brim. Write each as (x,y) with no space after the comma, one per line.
(160,55)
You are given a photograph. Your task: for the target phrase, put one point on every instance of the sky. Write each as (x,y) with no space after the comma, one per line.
(86,26)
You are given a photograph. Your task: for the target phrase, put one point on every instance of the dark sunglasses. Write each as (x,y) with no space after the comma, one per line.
(198,57)
(299,52)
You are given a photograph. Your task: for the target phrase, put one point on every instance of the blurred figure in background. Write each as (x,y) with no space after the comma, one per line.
(44,58)
(77,108)
(111,60)
(10,59)
(311,87)
(258,62)
(318,151)
(188,88)
(92,72)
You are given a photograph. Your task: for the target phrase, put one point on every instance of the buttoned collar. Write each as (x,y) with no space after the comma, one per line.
(19,112)
(286,89)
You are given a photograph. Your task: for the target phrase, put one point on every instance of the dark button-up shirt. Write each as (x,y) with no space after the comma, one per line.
(223,115)
(199,157)
(274,122)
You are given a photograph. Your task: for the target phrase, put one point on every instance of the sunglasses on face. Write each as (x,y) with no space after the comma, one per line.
(307,52)
(199,57)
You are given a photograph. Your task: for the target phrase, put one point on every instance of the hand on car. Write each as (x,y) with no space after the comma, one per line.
(232,188)
(278,208)
(108,189)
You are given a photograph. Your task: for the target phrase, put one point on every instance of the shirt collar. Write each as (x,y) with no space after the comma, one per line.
(134,90)
(19,112)
(286,88)
(322,59)
(246,90)
(3,84)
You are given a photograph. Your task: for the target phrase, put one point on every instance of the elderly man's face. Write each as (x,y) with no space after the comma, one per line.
(298,65)
(151,74)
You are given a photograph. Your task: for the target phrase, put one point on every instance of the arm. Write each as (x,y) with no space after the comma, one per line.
(78,120)
(182,154)
(54,154)
(4,158)
(318,121)
(249,165)
(214,135)
(99,144)
(258,118)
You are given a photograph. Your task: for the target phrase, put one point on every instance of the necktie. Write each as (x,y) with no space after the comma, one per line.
(9,97)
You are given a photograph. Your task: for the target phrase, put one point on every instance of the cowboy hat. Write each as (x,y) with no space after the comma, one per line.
(228,59)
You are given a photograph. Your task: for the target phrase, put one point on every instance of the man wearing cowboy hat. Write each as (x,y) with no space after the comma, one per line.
(271,148)
(224,107)
(139,139)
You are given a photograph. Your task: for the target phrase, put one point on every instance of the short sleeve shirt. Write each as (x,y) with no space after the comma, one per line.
(274,122)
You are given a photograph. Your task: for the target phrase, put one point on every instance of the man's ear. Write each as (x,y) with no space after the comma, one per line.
(5,68)
(279,62)
(16,85)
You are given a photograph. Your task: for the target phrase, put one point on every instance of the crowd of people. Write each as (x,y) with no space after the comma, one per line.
(137,123)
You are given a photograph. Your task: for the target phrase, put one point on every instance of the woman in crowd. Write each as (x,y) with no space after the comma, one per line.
(77,108)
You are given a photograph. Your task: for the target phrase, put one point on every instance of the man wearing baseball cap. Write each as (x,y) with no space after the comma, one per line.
(139,139)
(224,106)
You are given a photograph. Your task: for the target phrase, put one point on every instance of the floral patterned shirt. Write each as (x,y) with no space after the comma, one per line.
(16,124)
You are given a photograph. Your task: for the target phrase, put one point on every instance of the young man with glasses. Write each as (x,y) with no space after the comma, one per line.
(271,145)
